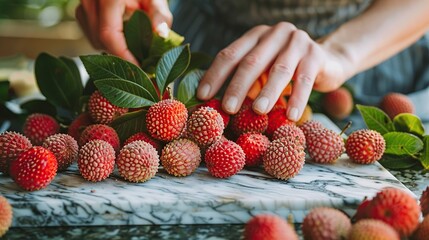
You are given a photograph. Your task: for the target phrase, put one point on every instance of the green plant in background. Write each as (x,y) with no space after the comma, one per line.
(407,146)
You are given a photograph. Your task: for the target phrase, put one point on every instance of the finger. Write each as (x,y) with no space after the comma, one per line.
(81,19)
(160,13)
(225,62)
(306,74)
(90,12)
(111,29)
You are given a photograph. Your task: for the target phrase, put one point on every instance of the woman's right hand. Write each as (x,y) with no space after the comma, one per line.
(102,22)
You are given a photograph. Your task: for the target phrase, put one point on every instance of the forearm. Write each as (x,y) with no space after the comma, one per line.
(384,29)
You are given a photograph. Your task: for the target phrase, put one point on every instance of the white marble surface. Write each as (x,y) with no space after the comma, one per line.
(196,199)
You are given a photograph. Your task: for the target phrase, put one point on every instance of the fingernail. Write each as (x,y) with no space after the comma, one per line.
(163,30)
(261,105)
(293,114)
(204,90)
(231,104)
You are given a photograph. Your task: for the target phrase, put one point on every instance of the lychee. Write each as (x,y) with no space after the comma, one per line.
(144,137)
(424,201)
(284,159)
(216,104)
(166,119)
(326,223)
(11,145)
(64,147)
(365,146)
(276,118)
(372,229)
(422,231)
(138,161)
(324,146)
(5,215)
(338,103)
(34,168)
(181,157)
(38,127)
(101,110)
(205,126)
(396,103)
(394,207)
(96,160)
(100,132)
(246,120)
(254,146)
(224,159)
(310,126)
(290,132)
(269,227)
(79,124)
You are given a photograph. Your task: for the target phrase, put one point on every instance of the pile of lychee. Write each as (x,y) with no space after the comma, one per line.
(178,139)
(392,214)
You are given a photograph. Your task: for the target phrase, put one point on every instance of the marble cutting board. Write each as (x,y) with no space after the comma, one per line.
(197,199)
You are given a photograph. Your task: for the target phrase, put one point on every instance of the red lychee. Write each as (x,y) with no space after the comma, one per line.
(422,231)
(396,103)
(101,110)
(338,103)
(326,223)
(11,145)
(372,229)
(96,160)
(5,215)
(246,120)
(38,127)
(165,120)
(79,124)
(224,159)
(310,126)
(181,157)
(205,126)
(254,146)
(290,132)
(64,147)
(276,118)
(144,137)
(324,146)
(34,168)
(216,104)
(424,201)
(100,132)
(365,146)
(269,227)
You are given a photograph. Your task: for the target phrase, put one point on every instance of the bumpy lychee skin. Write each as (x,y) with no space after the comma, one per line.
(11,145)
(205,126)
(100,132)
(372,229)
(38,127)
(396,103)
(310,126)
(79,124)
(325,223)
(291,132)
(144,137)
(246,120)
(424,201)
(267,226)
(254,146)
(324,146)
(64,147)
(165,120)
(224,159)
(138,161)
(101,110)
(34,168)
(5,215)
(96,160)
(394,207)
(181,157)
(276,118)
(217,105)
(284,158)
(422,231)
(338,103)
(365,146)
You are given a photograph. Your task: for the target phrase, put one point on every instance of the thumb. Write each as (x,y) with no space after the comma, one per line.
(160,15)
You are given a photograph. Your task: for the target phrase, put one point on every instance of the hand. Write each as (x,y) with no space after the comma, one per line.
(291,55)
(102,21)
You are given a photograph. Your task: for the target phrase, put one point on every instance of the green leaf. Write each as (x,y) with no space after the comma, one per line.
(57,82)
(424,158)
(4,91)
(123,93)
(397,162)
(130,123)
(376,119)
(171,66)
(161,45)
(73,68)
(138,35)
(39,106)
(188,86)
(399,143)
(103,67)
(410,123)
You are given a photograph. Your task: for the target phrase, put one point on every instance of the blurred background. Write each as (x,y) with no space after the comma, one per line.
(29,27)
